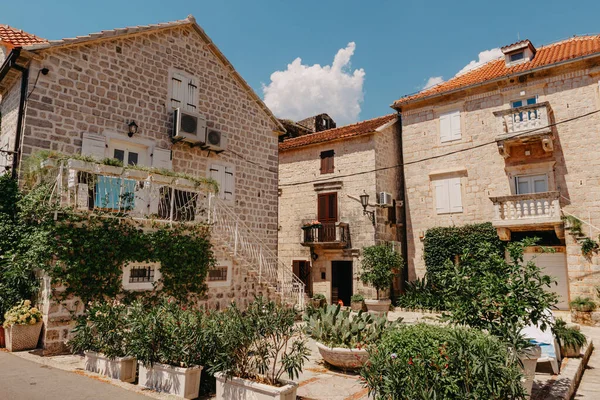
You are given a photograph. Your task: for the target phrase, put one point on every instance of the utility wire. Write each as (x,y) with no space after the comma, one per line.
(252,162)
(441,155)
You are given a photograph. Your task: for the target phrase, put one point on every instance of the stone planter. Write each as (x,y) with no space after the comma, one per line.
(181,382)
(378,306)
(236,388)
(357,306)
(588,318)
(570,351)
(22,337)
(2,341)
(137,174)
(343,358)
(529,359)
(121,368)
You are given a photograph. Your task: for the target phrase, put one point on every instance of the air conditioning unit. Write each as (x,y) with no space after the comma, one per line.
(188,126)
(215,140)
(385,199)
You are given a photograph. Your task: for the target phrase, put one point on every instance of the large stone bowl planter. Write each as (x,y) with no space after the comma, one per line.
(529,359)
(378,306)
(121,368)
(236,388)
(182,382)
(22,337)
(343,358)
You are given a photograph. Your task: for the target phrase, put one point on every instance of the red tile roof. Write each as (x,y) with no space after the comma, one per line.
(344,132)
(17,37)
(547,55)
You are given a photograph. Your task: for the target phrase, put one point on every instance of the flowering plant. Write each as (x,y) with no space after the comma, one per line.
(22,314)
(312,223)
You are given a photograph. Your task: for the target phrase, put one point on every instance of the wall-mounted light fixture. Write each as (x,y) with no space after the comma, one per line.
(364,200)
(133,128)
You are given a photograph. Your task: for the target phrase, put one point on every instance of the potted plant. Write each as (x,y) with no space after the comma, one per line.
(378,265)
(357,302)
(100,335)
(341,338)
(23,325)
(312,224)
(259,345)
(166,341)
(581,310)
(570,338)
(318,300)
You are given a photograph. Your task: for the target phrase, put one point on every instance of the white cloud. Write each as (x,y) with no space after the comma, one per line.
(433,81)
(484,57)
(301,90)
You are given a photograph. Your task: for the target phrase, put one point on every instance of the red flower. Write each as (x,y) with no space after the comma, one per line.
(410,361)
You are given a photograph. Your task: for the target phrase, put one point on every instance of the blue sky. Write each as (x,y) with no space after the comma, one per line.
(398,44)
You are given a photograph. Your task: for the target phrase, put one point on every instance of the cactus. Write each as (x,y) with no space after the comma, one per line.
(335,327)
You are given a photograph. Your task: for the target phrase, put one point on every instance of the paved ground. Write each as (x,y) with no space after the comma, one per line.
(589,388)
(26,380)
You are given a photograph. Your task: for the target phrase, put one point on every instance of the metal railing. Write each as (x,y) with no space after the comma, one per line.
(258,257)
(327,232)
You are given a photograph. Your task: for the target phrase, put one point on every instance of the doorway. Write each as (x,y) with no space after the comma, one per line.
(301,269)
(341,282)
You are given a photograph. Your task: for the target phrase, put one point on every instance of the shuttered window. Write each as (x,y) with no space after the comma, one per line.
(327,207)
(327,162)
(448,195)
(224,176)
(450,126)
(184,91)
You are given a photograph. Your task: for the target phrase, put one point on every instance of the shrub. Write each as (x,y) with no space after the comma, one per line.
(588,246)
(22,314)
(319,296)
(102,329)
(379,264)
(436,362)
(568,337)
(420,295)
(261,343)
(357,298)
(583,304)
(336,328)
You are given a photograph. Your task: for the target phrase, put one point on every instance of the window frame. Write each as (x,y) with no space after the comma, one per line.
(455,134)
(530,180)
(140,286)
(449,182)
(190,80)
(226,282)
(327,162)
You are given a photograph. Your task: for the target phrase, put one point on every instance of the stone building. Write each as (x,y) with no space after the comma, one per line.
(321,176)
(160,96)
(514,142)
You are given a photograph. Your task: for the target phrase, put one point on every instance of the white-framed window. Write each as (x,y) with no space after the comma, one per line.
(220,274)
(526,184)
(183,91)
(129,153)
(448,195)
(140,276)
(224,175)
(450,129)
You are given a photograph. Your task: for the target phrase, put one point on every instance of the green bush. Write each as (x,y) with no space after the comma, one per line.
(583,304)
(435,362)
(379,266)
(420,295)
(568,337)
(357,298)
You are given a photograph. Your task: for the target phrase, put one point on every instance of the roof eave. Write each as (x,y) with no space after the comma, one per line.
(328,141)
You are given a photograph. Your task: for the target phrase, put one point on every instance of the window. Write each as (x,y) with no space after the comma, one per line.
(530,114)
(140,276)
(517,56)
(183,91)
(450,126)
(327,162)
(128,153)
(526,184)
(217,274)
(448,195)
(224,176)
(220,275)
(327,207)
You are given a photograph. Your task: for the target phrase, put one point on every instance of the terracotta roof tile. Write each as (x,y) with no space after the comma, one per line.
(344,132)
(17,37)
(547,55)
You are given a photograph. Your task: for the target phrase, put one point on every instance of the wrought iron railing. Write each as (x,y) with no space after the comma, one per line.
(326,232)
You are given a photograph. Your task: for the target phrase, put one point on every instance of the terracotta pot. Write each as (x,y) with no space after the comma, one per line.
(234,388)
(22,337)
(357,306)
(378,306)
(2,341)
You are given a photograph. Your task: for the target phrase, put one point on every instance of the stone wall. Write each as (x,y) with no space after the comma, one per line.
(570,91)
(9,112)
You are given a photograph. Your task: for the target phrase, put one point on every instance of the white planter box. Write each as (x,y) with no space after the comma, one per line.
(236,388)
(529,359)
(121,368)
(378,306)
(343,358)
(182,382)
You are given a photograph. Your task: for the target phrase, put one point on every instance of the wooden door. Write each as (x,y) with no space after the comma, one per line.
(328,216)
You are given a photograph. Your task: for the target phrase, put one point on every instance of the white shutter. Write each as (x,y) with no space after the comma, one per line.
(161,159)
(445,128)
(229,186)
(442,201)
(217,172)
(455,195)
(93,145)
(179,85)
(455,123)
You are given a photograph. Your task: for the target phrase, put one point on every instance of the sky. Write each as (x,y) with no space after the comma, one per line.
(348,58)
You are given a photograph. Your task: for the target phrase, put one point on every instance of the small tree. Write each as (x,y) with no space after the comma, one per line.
(379,266)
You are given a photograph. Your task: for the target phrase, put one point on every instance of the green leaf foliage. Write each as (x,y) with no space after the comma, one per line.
(440,362)
(568,337)
(380,264)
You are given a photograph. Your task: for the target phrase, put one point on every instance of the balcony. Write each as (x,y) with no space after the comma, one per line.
(535,211)
(328,235)
(525,124)
(140,194)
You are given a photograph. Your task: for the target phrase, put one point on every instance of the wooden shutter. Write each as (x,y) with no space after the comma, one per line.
(442,201)
(445,128)
(392,218)
(327,166)
(191,90)
(455,123)
(93,145)
(455,195)
(179,83)
(229,184)
(327,207)
(161,158)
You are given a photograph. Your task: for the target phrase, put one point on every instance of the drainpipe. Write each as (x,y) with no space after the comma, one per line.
(403,215)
